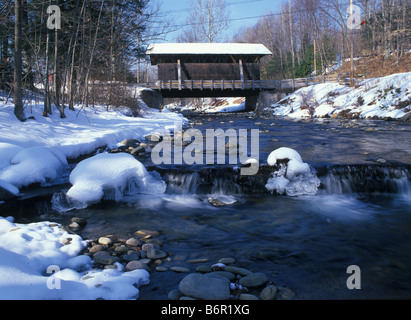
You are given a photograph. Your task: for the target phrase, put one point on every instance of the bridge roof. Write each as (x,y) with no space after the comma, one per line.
(255,49)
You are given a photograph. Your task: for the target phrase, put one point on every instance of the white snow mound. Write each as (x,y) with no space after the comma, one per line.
(111,176)
(295,178)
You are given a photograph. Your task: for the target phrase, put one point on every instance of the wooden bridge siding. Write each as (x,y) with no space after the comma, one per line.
(198,71)
(254,85)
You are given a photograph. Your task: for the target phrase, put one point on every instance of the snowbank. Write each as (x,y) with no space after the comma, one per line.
(41,261)
(34,165)
(111,176)
(36,151)
(384,97)
(293,177)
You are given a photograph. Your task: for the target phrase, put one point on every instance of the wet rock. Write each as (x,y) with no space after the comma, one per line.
(203,268)
(74,226)
(285,293)
(131,257)
(153,253)
(133,242)
(174,294)
(230,276)
(221,200)
(97,248)
(121,249)
(226,261)
(137,151)
(247,296)
(136,264)
(180,269)
(130,143)
(203,287)
(253,280)
(105,259)
(80,221)
(144,233)
(105,241)
(268,293)
(161,269)
(237,270)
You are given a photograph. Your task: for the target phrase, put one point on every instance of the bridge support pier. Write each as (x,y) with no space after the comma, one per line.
(151,98)
(262,100)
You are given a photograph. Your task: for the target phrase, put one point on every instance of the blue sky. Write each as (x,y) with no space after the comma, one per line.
(179,9)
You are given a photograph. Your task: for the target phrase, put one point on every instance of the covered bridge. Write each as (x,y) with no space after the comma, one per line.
(209,70)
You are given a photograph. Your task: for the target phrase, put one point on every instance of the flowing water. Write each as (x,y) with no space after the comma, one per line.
(360,216)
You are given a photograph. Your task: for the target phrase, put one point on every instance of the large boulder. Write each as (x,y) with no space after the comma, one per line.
(202,286)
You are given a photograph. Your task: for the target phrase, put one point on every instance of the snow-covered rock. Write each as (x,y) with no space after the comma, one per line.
(111,176)
(34,165)
(36,265)
(293,177)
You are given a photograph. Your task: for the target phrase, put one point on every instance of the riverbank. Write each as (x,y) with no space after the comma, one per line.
(288,239)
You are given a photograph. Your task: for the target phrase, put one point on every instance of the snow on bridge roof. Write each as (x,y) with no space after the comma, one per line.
(208,48)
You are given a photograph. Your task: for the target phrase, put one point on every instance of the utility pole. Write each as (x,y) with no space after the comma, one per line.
(351,24)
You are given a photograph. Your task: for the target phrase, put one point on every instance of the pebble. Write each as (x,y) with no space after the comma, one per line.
(199,260)
(226,260)
(121,249)
(237,270)
(136,264)
(180,269)
(253,280)
(131,257)
(268,293)
(153,253)
(97,248)
(105,241)
(174,294)
(247,296)
(80,221)
(105,259)
(203,268)
(133,242)
(147,232)
(161,269)
(285,293)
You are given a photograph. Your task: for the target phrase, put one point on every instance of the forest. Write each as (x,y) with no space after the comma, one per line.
(100,41)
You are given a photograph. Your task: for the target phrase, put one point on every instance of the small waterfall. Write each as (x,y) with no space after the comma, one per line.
(366,179)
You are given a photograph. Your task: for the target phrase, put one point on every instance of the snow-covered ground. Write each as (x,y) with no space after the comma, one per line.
(41,260)
(383,97)
(212,106)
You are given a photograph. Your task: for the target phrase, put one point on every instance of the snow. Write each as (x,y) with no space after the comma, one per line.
(34,261)
(377,97)
(36,265)
(36,151)
(114,174)
(208,48)
(295,178)
(34,165)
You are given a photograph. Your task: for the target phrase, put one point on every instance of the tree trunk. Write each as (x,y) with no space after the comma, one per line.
(18,69)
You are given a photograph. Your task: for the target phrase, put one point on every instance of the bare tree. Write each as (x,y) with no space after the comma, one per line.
(207,21)
(18,63)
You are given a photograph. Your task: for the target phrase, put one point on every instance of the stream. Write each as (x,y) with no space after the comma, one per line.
(360,216)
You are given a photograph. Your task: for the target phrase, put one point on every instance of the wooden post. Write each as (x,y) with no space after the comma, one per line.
(179,74)
(222,87)
(242,74)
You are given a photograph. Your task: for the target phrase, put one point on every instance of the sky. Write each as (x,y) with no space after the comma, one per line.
(238,9)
